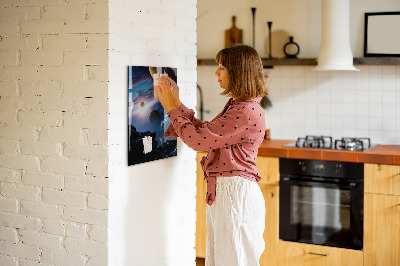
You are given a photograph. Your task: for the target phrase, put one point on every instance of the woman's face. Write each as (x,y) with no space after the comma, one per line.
(223,76)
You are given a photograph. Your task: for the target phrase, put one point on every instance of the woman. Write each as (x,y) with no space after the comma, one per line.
(236,211)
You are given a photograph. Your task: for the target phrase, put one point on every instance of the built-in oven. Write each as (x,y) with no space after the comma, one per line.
(321,202)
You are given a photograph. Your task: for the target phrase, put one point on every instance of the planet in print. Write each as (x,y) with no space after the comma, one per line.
(141,104)
(155,118)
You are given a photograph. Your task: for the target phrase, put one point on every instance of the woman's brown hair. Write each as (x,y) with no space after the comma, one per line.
(245,69)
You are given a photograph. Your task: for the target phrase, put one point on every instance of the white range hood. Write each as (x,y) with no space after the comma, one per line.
(335,52)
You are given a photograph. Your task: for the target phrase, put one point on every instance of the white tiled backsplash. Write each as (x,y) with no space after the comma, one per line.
(365,103)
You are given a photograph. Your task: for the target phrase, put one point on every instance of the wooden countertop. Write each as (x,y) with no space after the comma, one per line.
(380,154)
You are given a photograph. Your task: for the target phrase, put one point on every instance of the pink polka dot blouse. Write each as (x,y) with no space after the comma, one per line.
(232,139)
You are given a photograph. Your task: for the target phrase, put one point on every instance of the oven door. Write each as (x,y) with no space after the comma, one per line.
(321,212)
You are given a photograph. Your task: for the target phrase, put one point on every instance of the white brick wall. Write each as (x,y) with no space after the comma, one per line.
(53,135)
(148,201)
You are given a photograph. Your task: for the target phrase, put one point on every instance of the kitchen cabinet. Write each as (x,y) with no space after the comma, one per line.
(300,254)
(382,179)
(382,215)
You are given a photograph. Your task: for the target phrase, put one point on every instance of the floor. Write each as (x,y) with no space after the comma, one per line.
(200,262)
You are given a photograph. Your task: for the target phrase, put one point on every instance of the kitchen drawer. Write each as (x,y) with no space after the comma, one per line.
(299,254)
(382,179)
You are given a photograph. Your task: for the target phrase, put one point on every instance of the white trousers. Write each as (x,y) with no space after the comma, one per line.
(235,223)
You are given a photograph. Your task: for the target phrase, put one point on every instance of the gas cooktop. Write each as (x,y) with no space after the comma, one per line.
(326,142)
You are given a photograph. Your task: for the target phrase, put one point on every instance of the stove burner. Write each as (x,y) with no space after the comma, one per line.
(324,142)
(353,144)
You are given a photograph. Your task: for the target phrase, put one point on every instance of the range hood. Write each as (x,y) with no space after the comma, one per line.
(335,52)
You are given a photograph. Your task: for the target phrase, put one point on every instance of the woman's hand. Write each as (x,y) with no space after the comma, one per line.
(165,95)
(175,90)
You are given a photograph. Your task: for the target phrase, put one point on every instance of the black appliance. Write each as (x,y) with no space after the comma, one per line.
(326,142)
(321,202)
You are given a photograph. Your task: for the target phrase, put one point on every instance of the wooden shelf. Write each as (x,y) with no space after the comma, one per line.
(269,63)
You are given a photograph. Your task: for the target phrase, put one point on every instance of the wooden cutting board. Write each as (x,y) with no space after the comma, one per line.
(233,35)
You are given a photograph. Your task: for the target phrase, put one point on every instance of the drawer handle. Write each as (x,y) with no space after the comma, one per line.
(318,254)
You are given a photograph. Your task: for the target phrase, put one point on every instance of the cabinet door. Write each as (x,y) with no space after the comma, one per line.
(201,205)
(271,232)
(381,230)
(382,179)
(268,168)
(299,254)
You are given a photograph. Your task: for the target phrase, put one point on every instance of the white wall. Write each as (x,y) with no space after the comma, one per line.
(53,133)
(337,103)
(152,205)
(301,19)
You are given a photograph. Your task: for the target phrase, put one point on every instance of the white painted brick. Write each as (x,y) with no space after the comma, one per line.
(61,104)
(41,27)
(41,148)
(8,117)
(19,161)
(26,262)
(43,179)
(98,42)
(61,73)
(39,88)
(40,209)
(18,132)
(98,233)
(97,11)
(19,221)
(19,191)
(88,152)
(8,146)
(68,12)
(85,58)
(68,42)
(97,202)
(86,89)
(20,251)
(54,227)
(7,175)
(95,136)
(8,234)
(8,205)
(62,258)
(9,58)
(40,118)
(22,43)
(58,134)
(64,197)
(96,105)
(63,166)
(85,215)
(49,58)
(8,261)
(98,73)
(8,29)
(86,26)
(98,261)
(35,239)
(185,48)
(97,169)
(85,247)
(8,88)
(76,230)
(87,184)
(28,73)
(18,13)
(85,121)
(39,2)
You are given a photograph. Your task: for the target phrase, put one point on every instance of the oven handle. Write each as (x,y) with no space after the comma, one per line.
(310,182)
